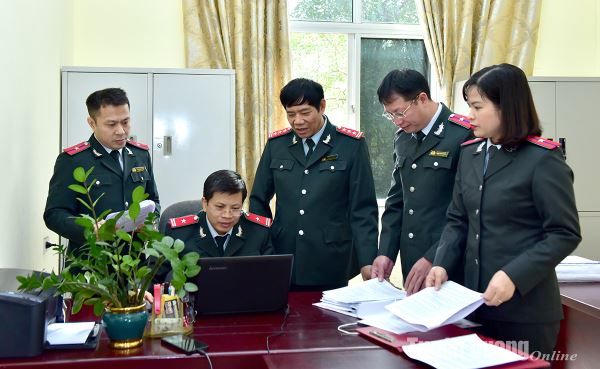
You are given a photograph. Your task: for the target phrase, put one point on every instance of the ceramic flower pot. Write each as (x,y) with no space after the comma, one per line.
(125,326)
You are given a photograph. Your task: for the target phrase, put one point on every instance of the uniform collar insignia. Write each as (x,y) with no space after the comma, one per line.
(129,152)
(327,139)
(439,130)
(294,140)
(202,234)
(239,232)
(98,155)
(480,147)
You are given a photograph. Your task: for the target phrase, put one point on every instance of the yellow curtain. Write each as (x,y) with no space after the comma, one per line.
(463,36)
(252,38)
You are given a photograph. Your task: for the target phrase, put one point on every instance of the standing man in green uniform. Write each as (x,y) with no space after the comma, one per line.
(426,151)
(326,210)
(119,164)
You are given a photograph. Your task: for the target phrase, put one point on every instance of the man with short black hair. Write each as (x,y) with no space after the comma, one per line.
(426,151)
(120,165)
(326,210)
(222,228)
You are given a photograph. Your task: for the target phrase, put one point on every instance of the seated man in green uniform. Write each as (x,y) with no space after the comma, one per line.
(326,210)
(222,228)
(120,165)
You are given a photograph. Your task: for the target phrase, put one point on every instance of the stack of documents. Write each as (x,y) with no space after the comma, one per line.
(361,300)
(578,269)
(127,224)
(429,309)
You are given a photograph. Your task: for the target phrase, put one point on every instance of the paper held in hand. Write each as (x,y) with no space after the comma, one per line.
(127,224)
(429,309)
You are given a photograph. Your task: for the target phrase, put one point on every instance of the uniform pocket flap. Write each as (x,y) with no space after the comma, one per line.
(282,164)
(437,162)
(333,165)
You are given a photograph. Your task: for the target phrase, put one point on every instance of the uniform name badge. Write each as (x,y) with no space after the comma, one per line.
(439,154)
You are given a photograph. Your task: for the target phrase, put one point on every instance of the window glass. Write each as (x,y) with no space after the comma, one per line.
(320,10)
(390,11)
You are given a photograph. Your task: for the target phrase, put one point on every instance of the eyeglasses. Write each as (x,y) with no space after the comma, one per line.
(393,116)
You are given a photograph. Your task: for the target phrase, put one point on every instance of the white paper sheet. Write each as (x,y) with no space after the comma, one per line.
(68,333)
(389,322)
(128,225)
(463,352)
(428,308)
(371,290)
(577,269)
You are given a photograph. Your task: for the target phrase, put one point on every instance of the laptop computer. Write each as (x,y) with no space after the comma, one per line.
(241,284)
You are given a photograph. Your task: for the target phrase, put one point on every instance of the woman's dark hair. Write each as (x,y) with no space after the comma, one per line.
(226,181)
(506,86)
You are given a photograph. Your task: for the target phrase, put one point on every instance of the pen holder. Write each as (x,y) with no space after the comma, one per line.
(171,318)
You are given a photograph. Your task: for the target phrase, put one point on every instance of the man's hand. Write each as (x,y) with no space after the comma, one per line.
(415,280)
(382,268)
(365,272)
(437,275)
(500,289)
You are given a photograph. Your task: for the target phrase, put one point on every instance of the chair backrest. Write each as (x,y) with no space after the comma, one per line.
(178,209)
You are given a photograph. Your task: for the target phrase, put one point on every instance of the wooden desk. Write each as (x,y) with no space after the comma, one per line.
(580,330)
(240,341)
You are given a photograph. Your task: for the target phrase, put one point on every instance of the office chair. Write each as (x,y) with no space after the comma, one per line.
(178,209)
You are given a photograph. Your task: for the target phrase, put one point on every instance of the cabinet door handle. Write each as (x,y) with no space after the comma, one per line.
(563,145)
(167,146)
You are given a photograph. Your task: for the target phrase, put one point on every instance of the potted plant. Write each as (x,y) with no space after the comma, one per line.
(115,268)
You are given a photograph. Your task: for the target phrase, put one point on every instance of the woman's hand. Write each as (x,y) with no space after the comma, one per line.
(500,289)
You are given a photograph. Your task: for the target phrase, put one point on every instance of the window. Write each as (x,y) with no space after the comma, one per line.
(349,46)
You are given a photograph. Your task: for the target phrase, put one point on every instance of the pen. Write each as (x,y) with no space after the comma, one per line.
(383,336)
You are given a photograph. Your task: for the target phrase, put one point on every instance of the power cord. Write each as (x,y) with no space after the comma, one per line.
(286,313)
(342,329)
(205,354)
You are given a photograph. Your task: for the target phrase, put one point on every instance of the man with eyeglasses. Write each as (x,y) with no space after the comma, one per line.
(426,151)
(222,228)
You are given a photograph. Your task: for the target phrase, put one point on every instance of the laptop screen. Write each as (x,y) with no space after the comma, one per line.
(239,284)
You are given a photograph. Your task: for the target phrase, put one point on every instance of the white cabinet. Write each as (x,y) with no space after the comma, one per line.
(186,115)
(568,109)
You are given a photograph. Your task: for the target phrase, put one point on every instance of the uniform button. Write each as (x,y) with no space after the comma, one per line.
(411,189)
(281,166)
(480,187)
(476,262)
(435,164)
(332,168)
(303,191)
(97,183)
(411,211)
(477,236)
(301,232)
(410,235)
(414,166)
(301,212)
(305,171)
(126,204)
(477,212)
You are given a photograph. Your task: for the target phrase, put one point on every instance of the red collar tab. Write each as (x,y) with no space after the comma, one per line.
(280,132)
(475,140)
(184,221)
(350,132)
(543,142)
(77,148)
(138,145)
(461,120)
(258,219)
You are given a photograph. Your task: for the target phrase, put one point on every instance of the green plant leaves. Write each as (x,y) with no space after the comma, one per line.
(78,188)
(80,175)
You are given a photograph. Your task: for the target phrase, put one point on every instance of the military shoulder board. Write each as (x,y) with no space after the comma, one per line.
(475,140)
(263,221)
(138,145)
(543,142)
(183,221)
(350,132)
(461,120)
(280,132)
(82,146)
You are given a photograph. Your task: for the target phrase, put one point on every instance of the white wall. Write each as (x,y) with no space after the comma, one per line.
(36,39)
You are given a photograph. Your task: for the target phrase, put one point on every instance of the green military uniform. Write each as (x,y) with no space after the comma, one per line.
(117,185)
(521,218)
(326,210)
(249,237)
(422,181)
